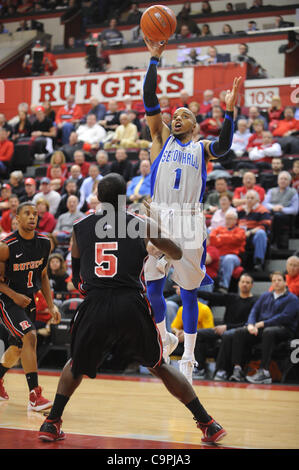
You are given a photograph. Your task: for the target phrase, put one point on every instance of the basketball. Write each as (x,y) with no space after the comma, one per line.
(158,23)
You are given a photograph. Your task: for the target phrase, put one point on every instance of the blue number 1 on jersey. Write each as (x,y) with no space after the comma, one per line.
(178,174)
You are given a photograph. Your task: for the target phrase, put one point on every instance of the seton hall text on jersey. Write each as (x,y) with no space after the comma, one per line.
(28,265)
(184,158)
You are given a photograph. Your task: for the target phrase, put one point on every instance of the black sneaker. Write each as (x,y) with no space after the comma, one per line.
(237,375)
(212,431)
(50,430)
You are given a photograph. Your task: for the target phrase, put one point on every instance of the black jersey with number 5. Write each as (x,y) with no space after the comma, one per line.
(112,252)
(27,259)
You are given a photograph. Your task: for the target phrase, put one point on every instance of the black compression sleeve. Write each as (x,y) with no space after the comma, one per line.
(220,147)
(76,271)
(150,100)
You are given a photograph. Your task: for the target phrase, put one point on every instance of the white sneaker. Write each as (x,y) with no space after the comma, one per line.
(169,345)
(186,368)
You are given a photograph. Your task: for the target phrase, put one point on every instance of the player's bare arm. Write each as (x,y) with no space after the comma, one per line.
(158,129)
(46,290)
(220,147)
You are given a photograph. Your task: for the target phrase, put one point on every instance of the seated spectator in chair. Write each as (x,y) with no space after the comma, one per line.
(67,117)
(89,183)
(4,124)
(257,137)
(273,318)
(212,267)
(206,105)
(122,165)
(6,151)
(5,193)
(22,129)
(275,113)
(238,307)
(286,132)
(283,202)
(71,189)
(253,115)
(211,127)
(255,219)
(56,179)
(140,186)
(71,147)
(58,158)
(295,175)
(30,190)
(218,218)
(249,182)
(65,221)
(43,133)
(111,118)
(97,108)
(264,152)
(46,192)
(241,138)
(16,181)
(230,241)
(79,159)
(75,174)
(292,275)
(46,221)
(91,133)
(10,213)
(126,135)
(58,275)
(102,159)
(212,203)
(142,155)
(111,34)
(269,180)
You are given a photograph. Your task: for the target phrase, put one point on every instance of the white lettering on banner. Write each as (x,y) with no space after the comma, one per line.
(260,96)
(110,86)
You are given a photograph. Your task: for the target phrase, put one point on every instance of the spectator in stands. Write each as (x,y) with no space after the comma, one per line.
(70,189)
(253,115)
(273,318)
(230,241)
(281,23)
(75,174)
(23,26)
(211,126)
(50,113)
(22,129)
(249,182)
(257,137)
(206,31)
(283,202)
(142,155)
(30,190)
(227,30)
(16,181)
(252,26)
(255,219)
(275,112)
(292,276)
(4,124)
(194,106)
(67,117)
(286,132)
(254,70)
(111,118)
(3,29)
(6,151)
(266,150)
(70,148)
(229,7)
(48,65)
(65,221)
(206,8)
(46,221)
(256,4)
(89,183)
(56,179)
(102,159)
(79,159)
(126,135)
(212,202)
(241,138)
(184,18)
(53,197)
(58,158)
(184,32)
(122,165)
(112,35)
(269,180)
(218,218)
(43,133)
(57,274)
(134,14)
(91,133)
(212,267)
(206,105)
(140,186)
(10,213)
(4,197)
(97,108)
(238,307)
(212,56)
(295,175)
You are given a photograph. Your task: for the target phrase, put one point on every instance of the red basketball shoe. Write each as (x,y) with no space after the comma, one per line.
(3,392)
(37,402)
(50,430)
(212,431)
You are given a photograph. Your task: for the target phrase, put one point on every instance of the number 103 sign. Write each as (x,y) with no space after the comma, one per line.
(261,97)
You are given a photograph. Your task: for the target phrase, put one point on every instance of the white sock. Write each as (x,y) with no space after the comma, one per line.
(189,345)
(162,328)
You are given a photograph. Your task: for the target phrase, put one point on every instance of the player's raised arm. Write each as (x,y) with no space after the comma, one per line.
(220,147)
(159,131)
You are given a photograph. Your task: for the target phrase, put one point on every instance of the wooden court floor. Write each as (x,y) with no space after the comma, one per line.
(124,412)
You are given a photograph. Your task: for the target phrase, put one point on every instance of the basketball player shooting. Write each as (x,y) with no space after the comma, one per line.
(179,177)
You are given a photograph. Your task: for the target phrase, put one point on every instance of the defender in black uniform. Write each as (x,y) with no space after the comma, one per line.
(25,254)
(116,313)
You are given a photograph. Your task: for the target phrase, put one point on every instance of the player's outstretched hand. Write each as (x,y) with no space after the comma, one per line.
(21,300)
(56,317)
(232,95)
(155,48)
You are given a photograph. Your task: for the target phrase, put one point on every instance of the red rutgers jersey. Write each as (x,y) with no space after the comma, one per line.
(109,257)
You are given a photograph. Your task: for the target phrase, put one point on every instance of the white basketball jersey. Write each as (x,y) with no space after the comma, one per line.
(179,173)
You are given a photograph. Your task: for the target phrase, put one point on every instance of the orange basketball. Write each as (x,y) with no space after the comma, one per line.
(158,23)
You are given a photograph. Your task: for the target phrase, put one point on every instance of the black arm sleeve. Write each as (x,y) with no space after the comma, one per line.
(76,271)
(150,100)
(219,148)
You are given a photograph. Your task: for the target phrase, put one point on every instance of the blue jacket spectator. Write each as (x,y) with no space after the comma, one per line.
(140,186)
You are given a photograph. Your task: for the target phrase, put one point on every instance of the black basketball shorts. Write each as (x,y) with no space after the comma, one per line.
(118,320)
(17,321)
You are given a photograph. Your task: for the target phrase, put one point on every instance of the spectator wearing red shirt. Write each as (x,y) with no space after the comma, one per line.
(58,158)
(57,180)
(46,221)
(5,193)
(249,182)
(286,132)
(67,117)
(292,276)
(9,214)
(266,150)
(79,159)
(257,137)
(206,105)
(295,175)
(211,127)
(6,150)
(275,113)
